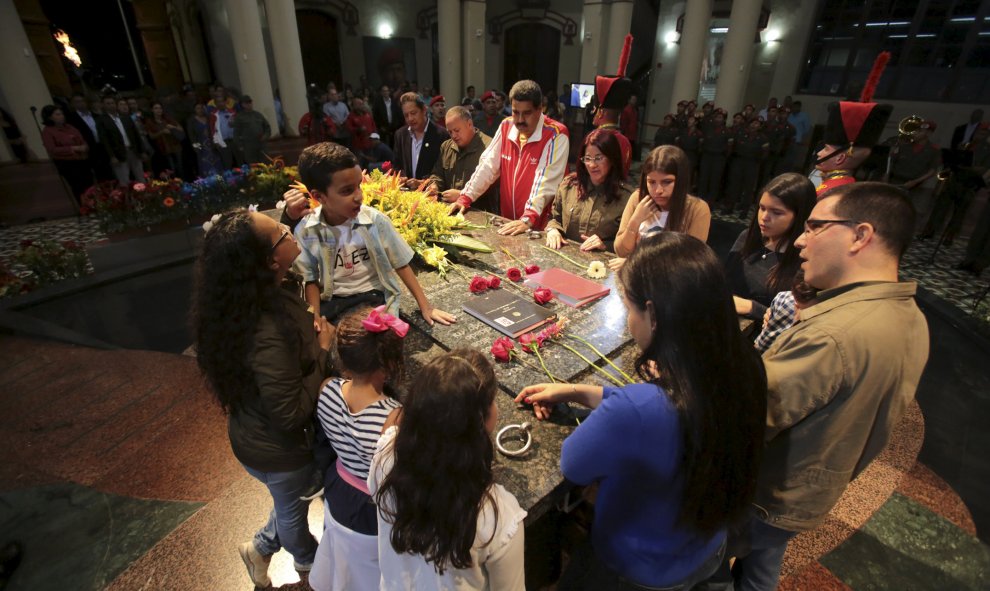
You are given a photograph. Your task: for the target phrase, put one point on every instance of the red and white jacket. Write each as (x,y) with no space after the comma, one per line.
(528,177)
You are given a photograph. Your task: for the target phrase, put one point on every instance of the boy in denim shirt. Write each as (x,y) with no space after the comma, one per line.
(351,254)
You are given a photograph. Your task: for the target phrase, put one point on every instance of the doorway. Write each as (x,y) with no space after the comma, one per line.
(532,52)
(319,42)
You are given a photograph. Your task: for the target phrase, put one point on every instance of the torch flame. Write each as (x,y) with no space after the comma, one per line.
(69,51)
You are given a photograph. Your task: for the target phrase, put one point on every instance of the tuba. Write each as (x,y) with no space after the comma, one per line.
(908,130)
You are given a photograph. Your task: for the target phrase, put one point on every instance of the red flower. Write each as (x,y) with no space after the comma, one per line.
(168,202)
(386,166)
(530,269)
(494,282)
(542,295)
(478,284)
(529,342)
(502,349)
(513,274)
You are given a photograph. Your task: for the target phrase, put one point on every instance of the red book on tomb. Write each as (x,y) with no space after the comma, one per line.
(573,290)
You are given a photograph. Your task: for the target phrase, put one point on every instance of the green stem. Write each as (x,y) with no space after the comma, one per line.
(514,257)
(614,379)
(600,354)
(529,365)
(565,257)
(536,351)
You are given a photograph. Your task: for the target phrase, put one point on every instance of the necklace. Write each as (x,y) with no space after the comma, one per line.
(608,126)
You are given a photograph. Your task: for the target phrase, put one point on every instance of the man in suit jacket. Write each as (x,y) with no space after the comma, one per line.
(964,133)
(121,141)
(80,117)
(417,145)
(387,114)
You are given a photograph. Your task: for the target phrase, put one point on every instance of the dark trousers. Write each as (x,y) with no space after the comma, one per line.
(744,174)
(586,572)
(759,551)
(710,177)
(335,308)
(954,197)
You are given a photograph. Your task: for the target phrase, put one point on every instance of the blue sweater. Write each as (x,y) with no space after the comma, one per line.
(632,445)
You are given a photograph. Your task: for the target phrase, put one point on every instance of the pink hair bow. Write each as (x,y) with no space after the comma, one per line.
(379,321)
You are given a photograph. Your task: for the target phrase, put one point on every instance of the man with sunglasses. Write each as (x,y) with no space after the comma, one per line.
(840,380)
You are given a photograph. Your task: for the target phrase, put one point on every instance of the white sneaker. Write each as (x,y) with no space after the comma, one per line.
(257,565)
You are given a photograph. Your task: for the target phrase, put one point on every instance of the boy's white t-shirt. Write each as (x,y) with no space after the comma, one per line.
(353,270)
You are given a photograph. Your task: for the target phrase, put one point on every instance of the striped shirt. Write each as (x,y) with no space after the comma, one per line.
(352,435)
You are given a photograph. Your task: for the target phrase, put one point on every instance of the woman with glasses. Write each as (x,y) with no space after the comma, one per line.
(589,203)
(263,360)
(764,261)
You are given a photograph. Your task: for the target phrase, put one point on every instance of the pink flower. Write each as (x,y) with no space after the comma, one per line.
(139,187)
(494,282)
(478,284)
(529,342)
(530,269)
(502,349)
(513,274)
(542,295)
(386,166)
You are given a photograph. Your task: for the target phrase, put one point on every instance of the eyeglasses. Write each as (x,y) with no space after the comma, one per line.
(285,232)
(592,159)
(815,227)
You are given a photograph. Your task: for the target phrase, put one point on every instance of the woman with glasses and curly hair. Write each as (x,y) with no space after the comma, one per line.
(264,362)
(589,203)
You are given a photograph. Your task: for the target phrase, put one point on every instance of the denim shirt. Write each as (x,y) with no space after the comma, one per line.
(318,246)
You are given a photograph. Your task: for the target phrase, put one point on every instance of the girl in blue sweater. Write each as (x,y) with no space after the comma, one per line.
(675,457)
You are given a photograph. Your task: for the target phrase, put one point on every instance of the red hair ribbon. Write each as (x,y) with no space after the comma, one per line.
(380,321)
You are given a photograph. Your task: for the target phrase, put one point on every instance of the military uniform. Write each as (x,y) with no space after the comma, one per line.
(749,150)
(912,160)
(690,141)
(251,129)
(666,136)
(714,152)
(832,179)
(781,135)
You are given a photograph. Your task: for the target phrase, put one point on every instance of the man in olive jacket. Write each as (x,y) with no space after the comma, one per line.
(840,380)
(459,157)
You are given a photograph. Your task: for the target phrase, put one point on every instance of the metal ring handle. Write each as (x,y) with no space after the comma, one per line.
(526,428)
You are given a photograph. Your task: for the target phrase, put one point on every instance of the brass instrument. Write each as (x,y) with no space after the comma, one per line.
(908,130)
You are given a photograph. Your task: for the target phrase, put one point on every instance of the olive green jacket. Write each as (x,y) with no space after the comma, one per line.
(839,381)
(455,166)
(574,217)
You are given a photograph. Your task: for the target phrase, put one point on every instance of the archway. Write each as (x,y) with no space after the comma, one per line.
(532,52)
(320,44)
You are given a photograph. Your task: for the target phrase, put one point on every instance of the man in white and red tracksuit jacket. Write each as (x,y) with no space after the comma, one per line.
(529,157)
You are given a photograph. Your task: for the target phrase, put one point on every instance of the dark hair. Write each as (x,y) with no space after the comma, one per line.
(46,114)
(803,293)
(442,473)
(797,194)
(711,374)
(363,352)
(234,285)
(319,162)
(527,90)
(608,145)
(412,97)
(883,206)
(670,160)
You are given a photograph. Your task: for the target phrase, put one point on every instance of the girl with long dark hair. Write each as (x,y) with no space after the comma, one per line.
(264,362)
(675,457)
(353,412)
(443,523)
(589,202)
(662,202)
(763,261)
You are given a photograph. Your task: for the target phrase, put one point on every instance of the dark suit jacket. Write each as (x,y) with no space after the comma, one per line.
(957,136)
(98,157)
(428,155)
(113,142)
(381,118)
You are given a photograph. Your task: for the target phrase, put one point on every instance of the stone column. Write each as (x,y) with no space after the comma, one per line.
(691,52)
(21,80)
(737,55)
(593,40)
(244,21)
(619,25)
(288,61)
(473,43)
(189,40)
(449,47)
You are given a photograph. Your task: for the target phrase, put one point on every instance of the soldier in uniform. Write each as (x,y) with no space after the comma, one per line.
(251,130)
(749,150)
(707,114)
(714,152)
(913,159)
(690,141)
(964,179)
(667,133)
(680,118)
(780,134)
(613,94)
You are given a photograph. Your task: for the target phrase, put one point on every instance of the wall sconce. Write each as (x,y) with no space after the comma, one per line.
(672,38)
(772,35)
(384,30)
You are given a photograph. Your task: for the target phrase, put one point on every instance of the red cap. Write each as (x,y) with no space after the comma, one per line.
(929,125)
(488,95)
(437,99)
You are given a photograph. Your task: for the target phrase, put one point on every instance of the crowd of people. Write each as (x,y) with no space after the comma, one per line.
(719,452)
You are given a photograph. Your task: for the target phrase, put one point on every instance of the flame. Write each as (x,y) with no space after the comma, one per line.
(69,51)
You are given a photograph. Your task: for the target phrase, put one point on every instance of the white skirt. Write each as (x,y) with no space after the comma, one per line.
(345,559)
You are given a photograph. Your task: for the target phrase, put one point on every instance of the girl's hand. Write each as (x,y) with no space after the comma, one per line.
(616,263)
(645,209)
(592,242)
(431,315)
(544,397)
(324,332)
(554,239)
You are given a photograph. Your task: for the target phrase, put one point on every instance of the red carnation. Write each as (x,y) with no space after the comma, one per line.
(494,282)
(542,295)
(529,342)
(530,269)
(478,284)
(502,349)
(386,166)
(513,274)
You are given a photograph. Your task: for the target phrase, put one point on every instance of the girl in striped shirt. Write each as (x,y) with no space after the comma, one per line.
(353,412)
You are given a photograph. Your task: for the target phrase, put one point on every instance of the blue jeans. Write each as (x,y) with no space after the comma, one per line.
(288,524)
(759,570)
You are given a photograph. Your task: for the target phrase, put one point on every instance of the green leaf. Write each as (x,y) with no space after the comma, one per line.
(464,242)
